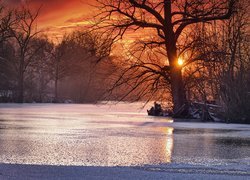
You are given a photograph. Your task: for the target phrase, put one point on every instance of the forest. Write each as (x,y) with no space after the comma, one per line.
(199,55)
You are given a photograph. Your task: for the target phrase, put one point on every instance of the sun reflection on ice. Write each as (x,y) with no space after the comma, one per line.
(169,143)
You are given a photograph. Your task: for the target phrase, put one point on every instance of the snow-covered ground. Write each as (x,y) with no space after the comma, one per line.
(56,141)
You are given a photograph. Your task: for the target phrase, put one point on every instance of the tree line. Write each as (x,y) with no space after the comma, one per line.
(211,38)
(35,69)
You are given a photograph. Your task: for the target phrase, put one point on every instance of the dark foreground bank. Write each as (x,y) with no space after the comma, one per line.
(172,171)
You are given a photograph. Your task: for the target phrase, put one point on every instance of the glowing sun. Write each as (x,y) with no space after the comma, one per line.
(180,61)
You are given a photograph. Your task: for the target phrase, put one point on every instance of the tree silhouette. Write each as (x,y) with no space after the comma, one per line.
(23,32)
(167,20)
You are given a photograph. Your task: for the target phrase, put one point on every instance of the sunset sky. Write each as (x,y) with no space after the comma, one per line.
(57,17)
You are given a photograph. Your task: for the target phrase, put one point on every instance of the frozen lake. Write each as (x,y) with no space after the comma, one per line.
(120,135)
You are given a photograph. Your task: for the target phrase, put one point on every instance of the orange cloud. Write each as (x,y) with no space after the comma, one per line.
(57,17)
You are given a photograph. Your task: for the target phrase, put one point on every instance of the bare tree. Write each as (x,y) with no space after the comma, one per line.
(219,65)
(59,67)
(135,79)
(39,71)
(234,76)
(95,44)
(6,21)
(7,71)
(67,57)
(167,20)
(23,33)
(77,50)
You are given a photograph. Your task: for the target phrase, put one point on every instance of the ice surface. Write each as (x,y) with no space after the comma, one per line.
(115,135)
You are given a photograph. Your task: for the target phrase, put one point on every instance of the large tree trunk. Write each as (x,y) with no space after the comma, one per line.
(177,88)
(178,92)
